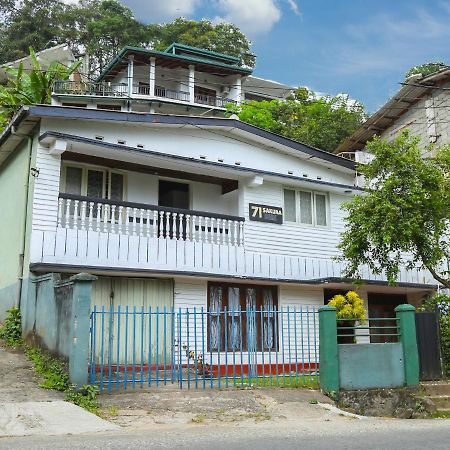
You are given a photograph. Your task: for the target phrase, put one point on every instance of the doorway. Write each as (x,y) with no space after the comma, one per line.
(173,195)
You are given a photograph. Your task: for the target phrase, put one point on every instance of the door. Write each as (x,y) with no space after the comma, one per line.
(141,333)
(382,306)
(173,195)
(428,344)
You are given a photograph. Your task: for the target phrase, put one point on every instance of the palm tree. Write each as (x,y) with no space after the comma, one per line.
(28,88)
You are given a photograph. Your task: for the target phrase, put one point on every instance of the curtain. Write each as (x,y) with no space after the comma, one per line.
(215,294)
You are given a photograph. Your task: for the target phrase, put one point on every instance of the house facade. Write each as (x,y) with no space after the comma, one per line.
(175,211)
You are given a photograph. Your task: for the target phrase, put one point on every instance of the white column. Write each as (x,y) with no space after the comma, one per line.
(238,90)
(152,76)
(130,74)
(191,83)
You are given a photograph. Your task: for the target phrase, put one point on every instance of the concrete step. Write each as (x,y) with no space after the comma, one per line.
(436,388)
(441,401)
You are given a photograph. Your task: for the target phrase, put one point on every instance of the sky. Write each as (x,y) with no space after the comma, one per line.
(359,47)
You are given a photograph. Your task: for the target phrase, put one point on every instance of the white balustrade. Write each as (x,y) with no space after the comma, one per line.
(107,217)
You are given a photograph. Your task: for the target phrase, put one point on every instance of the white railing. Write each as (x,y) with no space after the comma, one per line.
(83,213)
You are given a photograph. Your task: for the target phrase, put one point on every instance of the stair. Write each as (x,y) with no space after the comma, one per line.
(439,393)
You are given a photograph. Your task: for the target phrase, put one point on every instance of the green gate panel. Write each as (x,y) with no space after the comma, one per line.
(367,366)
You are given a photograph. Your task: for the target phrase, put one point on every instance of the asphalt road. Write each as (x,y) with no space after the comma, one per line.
(353,434)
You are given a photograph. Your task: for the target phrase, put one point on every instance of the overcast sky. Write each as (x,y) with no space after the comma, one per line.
(359,47)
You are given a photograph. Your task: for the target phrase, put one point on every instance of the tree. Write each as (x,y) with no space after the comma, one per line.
(405,210)
(426,69)
(28,88)
(222,38)
(322,122)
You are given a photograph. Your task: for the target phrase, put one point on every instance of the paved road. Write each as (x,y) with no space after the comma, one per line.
(352,434)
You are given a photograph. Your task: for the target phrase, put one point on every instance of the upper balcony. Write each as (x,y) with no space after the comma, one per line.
(139,91)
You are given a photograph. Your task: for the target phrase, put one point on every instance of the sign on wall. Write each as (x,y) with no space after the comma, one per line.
(265,213)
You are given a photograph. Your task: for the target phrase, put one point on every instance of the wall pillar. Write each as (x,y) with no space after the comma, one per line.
(191,84)
(407,330)
(152,80)
(328,349)
(130,75)
(238,90)
(80,326)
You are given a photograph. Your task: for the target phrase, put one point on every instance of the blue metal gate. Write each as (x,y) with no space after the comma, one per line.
(195,348)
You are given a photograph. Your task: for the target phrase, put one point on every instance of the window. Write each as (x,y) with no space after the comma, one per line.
(93,182)
(242,317)
(306,207)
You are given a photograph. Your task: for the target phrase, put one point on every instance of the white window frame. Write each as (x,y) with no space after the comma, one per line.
(313,205)
(84,177)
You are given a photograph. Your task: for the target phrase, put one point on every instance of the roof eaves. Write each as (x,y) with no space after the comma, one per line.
(202,51)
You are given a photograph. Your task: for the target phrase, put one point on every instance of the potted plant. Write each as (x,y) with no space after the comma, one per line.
(349,310)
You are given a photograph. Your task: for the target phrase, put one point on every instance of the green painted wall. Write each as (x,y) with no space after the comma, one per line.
(13,179)
(366,366)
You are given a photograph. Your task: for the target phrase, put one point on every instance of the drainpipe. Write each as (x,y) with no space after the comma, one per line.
(24,223)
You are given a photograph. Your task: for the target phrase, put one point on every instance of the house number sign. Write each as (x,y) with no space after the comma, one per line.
(265,213)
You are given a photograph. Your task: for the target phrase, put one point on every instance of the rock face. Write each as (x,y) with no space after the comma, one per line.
(402,403)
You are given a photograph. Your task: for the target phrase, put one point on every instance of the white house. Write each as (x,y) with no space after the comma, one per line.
(175,210)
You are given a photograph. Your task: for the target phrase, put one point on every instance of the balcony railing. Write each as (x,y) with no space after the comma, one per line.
(137,219)
(121,90)
(90,88)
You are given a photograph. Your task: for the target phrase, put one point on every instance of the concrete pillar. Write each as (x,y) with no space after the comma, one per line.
(238,90)
(152,75)
(191,84)
(328,349)
(80,328)
(407,330)
(130,75)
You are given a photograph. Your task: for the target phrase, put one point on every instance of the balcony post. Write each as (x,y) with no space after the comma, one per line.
(191,83)
(130,74)
(152,79)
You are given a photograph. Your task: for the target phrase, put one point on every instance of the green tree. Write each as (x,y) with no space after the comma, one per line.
(405,210)
(426,69)
(322,122)
(222,38)
(28,88)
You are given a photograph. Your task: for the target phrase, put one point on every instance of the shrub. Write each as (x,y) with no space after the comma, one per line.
(349,306)
(441,302)
(11,332)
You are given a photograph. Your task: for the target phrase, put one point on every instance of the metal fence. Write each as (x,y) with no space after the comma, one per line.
(194,348)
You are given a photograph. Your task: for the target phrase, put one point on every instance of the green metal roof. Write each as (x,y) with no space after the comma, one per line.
(201,52)
(188,59)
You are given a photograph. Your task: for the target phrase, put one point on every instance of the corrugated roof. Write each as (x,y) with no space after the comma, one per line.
(411,92)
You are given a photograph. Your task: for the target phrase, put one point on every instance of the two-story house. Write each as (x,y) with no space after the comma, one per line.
(134,180)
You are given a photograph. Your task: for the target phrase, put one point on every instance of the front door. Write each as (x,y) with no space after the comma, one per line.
(173,195)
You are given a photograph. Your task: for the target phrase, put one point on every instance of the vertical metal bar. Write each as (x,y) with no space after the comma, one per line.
(210,351)
(276,344)
(269,315)
(282,345)
(248,329)
(180,360)
(125,374)
(195,348)
(94,342)
(149,358)
(142,346)
(315,342)
(172,340)
(289,345)
(295,338)
(240,341)
(233,344)
(165,345)
(102,348)
(203,349)
(118,349)
(157,346)
(188,350)
(303,346)
(309,343)
(110,345)
(133,356)
(261,336)
(225,344)
(219,345)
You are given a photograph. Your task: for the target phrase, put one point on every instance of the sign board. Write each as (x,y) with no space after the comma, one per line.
(265,213)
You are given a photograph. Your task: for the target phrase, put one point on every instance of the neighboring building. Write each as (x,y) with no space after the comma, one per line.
(173,210)
(421,106)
